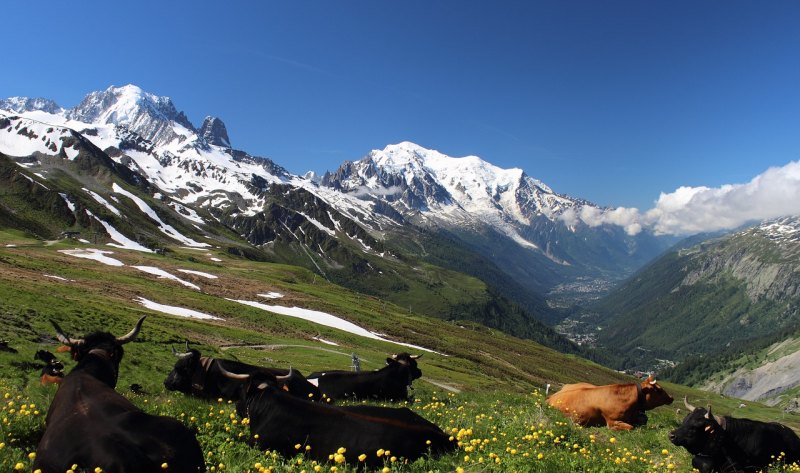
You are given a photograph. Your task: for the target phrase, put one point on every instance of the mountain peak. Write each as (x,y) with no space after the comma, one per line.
(27,104)
(412,156)
(123,106)
(132,107)
(213,130)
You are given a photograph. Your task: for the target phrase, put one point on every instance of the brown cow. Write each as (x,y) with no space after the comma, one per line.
(618,406)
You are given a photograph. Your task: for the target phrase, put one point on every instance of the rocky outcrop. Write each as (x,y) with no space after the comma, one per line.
(767,382)
(213,131)
(769,266)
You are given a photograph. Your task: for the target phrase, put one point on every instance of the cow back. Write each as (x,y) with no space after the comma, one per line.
(388,383)
(279,422)
(614,405)
(755,443)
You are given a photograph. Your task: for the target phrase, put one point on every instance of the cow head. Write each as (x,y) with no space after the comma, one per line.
(180,378)
(45,356)
(654,394)
(406,361)
(700,431)
(102,345)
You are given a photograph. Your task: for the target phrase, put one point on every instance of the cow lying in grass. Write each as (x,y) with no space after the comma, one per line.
(389,383)
(617,406)
(290,425)
(725,444)
(90,425)
(202,376)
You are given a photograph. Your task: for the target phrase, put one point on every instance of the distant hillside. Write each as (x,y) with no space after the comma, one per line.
(764,370)
(729,295)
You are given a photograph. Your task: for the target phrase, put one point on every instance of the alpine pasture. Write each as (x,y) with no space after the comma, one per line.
(484,388)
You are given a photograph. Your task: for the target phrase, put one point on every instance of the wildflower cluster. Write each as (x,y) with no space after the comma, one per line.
(494,432)
(20,420)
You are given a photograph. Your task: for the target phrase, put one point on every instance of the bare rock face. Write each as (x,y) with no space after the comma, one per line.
(214,132)
(767,382)
(764,257)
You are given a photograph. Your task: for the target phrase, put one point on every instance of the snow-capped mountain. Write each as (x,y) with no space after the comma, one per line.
(505,215)
(194,171)
(148,134)
(153,118)
(784,230)
(25,104)
(456,191)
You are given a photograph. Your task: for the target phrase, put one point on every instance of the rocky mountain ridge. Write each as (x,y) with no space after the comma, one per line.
(223,196)
(490,210)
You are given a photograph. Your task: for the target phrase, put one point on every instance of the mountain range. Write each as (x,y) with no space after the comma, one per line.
(451,237)
(509,221)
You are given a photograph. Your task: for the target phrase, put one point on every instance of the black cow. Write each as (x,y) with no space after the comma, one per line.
(281,422)
(53,370)
(388,383)
(203,377)
(725,444)
(91,425)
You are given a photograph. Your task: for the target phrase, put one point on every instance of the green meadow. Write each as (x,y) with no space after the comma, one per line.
(483,387)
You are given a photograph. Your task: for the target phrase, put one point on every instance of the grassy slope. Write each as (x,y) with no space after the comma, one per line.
(673,321)
(499,410)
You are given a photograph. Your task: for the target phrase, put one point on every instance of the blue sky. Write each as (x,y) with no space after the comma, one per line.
(612,101)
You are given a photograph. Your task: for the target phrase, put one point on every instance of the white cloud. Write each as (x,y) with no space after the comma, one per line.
(628,218)
(689,210)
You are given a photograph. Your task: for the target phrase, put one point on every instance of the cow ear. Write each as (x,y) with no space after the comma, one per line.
(390,360)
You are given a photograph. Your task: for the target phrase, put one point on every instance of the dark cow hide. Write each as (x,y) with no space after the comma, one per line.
(205,377)
(91,425)
(389,383)
(281,422)
(729,445)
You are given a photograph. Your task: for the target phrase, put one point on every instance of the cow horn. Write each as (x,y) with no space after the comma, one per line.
(63,338)
(414,357)
(286,377)
(187,346)
(394,356)
(708,413)
(132,334)
(686,403)
(653,381)
(229,375)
